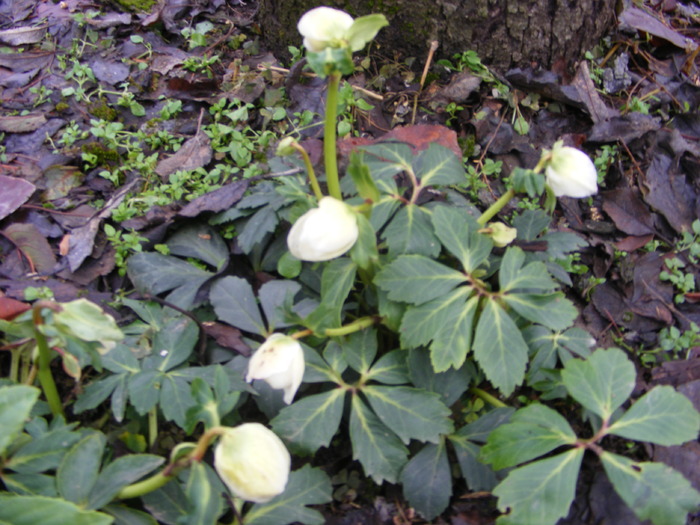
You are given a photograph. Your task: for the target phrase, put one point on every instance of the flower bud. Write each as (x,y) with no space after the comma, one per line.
(571,173)
(500,234)
(286,146)
(280,362)
(323,233)
(324,27)
(253,462)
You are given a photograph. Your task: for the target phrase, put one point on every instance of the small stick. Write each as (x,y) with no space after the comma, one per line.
(433,47)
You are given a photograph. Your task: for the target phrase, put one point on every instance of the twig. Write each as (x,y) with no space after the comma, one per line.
(433,47)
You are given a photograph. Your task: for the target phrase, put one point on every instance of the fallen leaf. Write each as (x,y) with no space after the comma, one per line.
(33,246)
(15,192)
(20,36)
(194,153)
(628,212)
(217,200)
(22,123)
(11,308)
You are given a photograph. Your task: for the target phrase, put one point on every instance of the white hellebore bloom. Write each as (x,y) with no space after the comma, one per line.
(571,173)
(280,362)
(324,233)
(501,235)
(253,462)
(324,27)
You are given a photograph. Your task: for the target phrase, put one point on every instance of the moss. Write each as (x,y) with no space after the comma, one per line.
(103,111)
(62,107)
(136,6)
(104,156)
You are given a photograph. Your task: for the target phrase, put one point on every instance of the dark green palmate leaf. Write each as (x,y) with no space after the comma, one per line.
(499,348)
(662,416)
(200,242)
(235,303)
(390,369)
(551,310)
(532,432)
(417,279)
(411,232)
(427,480)
(450,385)
(16,401)
(46,450)
(654,491)
(360,349)
(602,382)
(127,516)
(458,233)
(34,510)
(438,165)
(539,493)
(532,277)
(378,449)
(306,486)
(395,155)
(311,422)
(203,491)
(364,252)
(411,413)
(77,473)
(446,323)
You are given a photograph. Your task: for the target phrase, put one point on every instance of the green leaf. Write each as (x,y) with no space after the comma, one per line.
(175,398)
(533,431)
(417,279)
(360,350)
(87,321)
(16,402)
(336,282)
(274,296)
(662,416)
(438,165)
(144,390)
(252,231)
(427,480)
(364,252)
(205,503)
(77,474)
(30,484)
(364,29)
(531,223)
(554,311)
(602,382)
(306,486)
(155,273)
(457,231)
(539,493)
(317,370)
(533,277)
(200,242)
(377,448)
(361,176)
(411,413)
(172,344)
(446,321)
(390,369)
(396,154)
(235,303)
(168,503)
(127,516)
(450,384)
(311,422)
(499,348)
(44,452)
(653,491)
(118,474)
(33,510)
(411,232)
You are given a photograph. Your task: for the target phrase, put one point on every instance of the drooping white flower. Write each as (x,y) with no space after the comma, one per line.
(324,27)
(571,173)
(323,233)
(279,361)
(253,462)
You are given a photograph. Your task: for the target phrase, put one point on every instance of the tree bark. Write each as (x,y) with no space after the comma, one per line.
(505,33)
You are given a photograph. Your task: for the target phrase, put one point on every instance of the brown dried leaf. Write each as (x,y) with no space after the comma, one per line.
(15,192)
(34,246)
(194,153)
(628,212)
(23,123)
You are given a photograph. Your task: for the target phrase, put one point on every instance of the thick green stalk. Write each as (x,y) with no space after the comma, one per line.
(355,326)
(496,207)
(147,485)
(48,385)
(478,392)
(309,170)
(330,157)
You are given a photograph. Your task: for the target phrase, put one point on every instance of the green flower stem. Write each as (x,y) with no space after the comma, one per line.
(152,426)
(496,207)
(48,385)
(147,485)
(330,157)
(355,326)
(478,392)
(309,169)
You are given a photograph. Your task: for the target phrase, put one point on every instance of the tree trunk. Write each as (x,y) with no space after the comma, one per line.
(505,33)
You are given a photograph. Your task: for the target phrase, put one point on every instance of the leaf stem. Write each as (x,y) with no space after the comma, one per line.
(309,170)
(330,157)
(355,326)
(152,426)
(483,394)
(147,485)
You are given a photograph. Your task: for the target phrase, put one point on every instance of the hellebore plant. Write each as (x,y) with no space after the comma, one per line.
(280,362)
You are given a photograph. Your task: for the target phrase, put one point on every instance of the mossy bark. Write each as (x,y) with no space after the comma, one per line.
(505,33)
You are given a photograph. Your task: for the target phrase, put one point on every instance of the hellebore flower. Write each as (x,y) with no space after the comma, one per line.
(323,233)
(253,462)
(571,173)
(324,27)
(280,362)
(500,234)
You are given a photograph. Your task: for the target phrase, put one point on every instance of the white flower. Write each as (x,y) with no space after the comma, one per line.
(280,362)
(571,173)
(253,462)
(323,233)
(324,27)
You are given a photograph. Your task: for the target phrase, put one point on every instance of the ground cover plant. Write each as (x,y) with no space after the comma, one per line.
(251,321)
